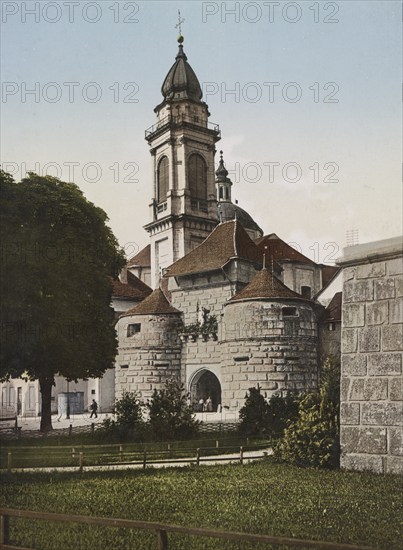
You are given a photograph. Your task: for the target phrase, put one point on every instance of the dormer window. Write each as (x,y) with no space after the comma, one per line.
(306,292)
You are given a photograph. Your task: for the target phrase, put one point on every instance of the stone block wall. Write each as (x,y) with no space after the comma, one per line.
(258,347)
(371,412)
(149,358)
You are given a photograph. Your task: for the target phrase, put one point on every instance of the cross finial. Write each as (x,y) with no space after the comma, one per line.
(179,24)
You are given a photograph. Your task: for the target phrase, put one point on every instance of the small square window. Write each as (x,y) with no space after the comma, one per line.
(290,312)
(331,326)
(92,392)
(133,329)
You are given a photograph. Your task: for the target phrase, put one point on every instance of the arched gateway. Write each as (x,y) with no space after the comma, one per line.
(205,384)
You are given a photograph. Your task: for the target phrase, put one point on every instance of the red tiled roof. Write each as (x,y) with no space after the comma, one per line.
(227,240)
(328,272)
(134,288)
(265,285)
(280,250)
(155,304)
(142,258)
(333,310)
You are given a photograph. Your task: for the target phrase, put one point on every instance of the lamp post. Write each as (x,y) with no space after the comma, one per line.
(68,402)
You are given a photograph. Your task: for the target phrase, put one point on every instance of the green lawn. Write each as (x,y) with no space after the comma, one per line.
(349,507)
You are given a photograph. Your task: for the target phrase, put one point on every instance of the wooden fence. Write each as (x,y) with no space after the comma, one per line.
(72,457)
(161,530)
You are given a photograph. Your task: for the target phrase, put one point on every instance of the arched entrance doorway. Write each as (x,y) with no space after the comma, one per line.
(203,385)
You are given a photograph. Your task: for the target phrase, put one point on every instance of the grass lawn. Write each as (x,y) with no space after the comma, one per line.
(264,497)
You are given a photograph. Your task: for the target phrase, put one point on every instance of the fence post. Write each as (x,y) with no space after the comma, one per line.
(9,460)
(162,540)
(81,462)
(4,529)
(70,429)
(241,455)
(73,452)
(121,452)
(217,443)
(198,457)
(144,459)
(19,432)
(92,428)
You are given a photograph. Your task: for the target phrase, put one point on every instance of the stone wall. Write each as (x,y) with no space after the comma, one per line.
(260,346)
(150,357)
(371,367)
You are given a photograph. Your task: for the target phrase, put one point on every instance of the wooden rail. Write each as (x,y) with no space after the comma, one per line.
(161,530)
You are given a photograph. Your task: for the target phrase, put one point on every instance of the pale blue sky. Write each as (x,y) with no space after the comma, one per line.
(361,133)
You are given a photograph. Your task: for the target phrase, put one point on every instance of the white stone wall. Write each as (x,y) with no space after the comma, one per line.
(371,369)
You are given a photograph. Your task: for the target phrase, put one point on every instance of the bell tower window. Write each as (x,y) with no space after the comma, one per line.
(162,179)
(197,174)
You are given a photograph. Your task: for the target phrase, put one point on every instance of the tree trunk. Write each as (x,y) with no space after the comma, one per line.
(45,385)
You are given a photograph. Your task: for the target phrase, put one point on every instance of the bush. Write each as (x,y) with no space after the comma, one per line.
(129,422)
(170,417)
(313,439)
(267,418)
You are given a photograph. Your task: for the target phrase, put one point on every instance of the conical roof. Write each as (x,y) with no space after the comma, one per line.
(181,81)
(155,304)
(265,286)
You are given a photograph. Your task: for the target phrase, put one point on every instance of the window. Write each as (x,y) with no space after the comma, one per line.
(4,396)
(306,291)
(92,392)
(133,328)
(290,312)
(11,396)
(162,179)
(197,176)
(221,193)
(331,326)
(124,366)
(31,397)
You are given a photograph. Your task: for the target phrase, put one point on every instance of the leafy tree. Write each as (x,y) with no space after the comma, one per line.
(313,438)
(129,418)
(268,418)
(253,414)
(170,417)
(58,259)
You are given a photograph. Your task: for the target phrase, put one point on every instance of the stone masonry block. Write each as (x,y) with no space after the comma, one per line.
(396,389)
(373,389)
(344,388)
(392,338)
(399,286)
(377,313)
(358,291)
(348,340)
(349,413)
(395,266)
(353,315)
(384,288)
(384,364)
(361,462)
(367,271)
(363,440)
(370,339)
(395,437)
(354,365)
(396,310)
(394,465)
(349,273)
(382,414)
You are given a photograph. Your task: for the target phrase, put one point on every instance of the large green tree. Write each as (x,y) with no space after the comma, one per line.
(58,259)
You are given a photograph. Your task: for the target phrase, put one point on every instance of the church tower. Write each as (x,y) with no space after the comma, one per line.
(183,209)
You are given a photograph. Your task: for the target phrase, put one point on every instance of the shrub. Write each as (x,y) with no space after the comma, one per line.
(170,417)
(129,422)
(313,438)
(268,418)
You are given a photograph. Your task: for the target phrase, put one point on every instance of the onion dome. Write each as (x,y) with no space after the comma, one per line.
(181,81)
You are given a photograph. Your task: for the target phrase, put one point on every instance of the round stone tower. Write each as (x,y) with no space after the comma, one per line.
(269,339)
(149,348)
